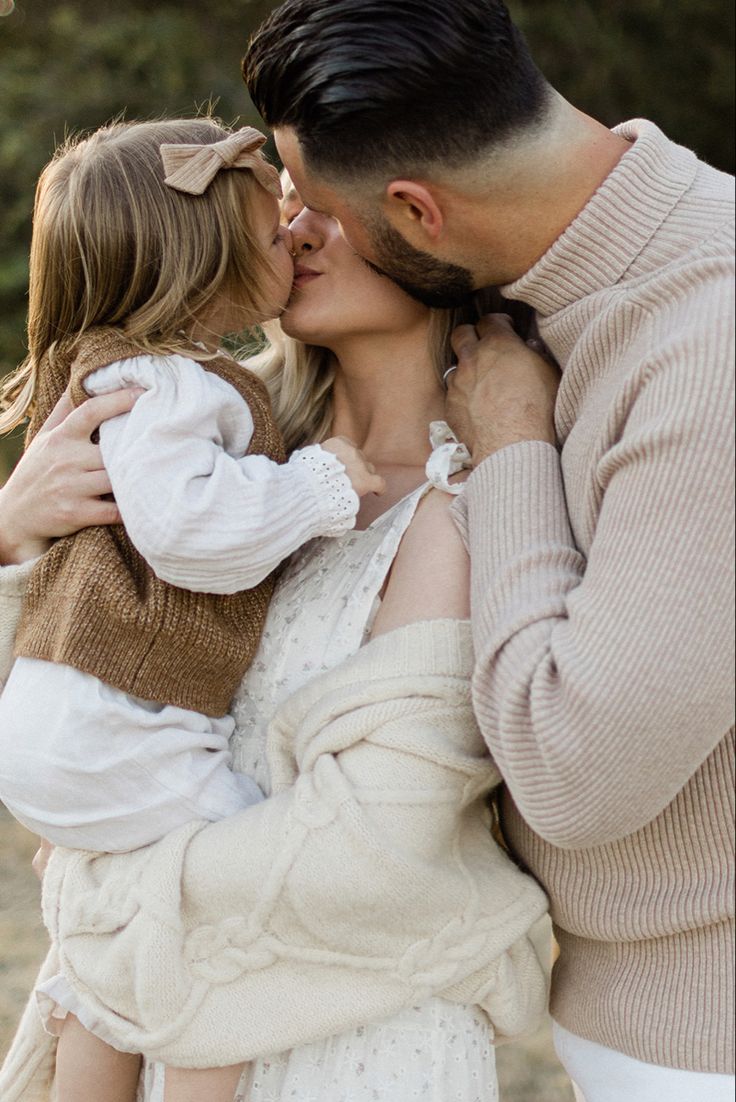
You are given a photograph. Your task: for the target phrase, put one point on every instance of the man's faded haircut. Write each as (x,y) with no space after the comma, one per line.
(375,86)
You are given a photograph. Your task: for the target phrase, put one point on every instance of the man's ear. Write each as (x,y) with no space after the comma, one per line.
(407,200)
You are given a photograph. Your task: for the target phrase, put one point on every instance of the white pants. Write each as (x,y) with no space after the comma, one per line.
(603,1075)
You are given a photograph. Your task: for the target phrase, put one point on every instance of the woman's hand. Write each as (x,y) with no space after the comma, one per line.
(58,485)
(503,391)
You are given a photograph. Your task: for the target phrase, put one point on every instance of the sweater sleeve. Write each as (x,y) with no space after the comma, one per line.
(13,580)
(602,685)
(369,880)
(202,513)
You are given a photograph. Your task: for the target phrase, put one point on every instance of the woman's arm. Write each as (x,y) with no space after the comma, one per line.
(58,485)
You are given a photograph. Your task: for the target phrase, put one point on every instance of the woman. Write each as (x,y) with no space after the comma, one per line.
(371,371)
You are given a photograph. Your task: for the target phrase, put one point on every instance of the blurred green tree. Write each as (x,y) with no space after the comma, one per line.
(71,65)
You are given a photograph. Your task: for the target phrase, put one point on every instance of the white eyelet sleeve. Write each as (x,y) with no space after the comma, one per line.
(204,515)
(333,488)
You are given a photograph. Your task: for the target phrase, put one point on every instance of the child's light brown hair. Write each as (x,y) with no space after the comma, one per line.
(113,245)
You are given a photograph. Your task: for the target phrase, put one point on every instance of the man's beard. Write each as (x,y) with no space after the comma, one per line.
(433,282)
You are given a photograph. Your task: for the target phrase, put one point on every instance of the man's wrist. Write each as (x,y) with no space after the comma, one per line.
(484,449)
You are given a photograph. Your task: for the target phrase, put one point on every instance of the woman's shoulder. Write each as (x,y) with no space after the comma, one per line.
(430,576)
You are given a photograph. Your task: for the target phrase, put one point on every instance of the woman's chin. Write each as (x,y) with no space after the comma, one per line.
(298,327)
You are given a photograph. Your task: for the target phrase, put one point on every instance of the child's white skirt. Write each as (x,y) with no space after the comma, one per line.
(88,767)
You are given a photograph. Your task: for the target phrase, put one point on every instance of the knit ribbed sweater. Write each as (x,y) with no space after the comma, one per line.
(602,597)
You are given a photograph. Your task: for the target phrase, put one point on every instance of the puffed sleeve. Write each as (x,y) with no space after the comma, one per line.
(205,515)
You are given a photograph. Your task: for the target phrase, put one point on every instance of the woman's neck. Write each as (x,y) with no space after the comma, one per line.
(386,392)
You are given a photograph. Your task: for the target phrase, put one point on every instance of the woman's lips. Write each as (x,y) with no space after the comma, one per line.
(303,276)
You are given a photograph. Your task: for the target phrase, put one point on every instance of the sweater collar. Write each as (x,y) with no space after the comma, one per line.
(615,226)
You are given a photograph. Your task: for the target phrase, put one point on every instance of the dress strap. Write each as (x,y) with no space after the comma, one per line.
(448,457)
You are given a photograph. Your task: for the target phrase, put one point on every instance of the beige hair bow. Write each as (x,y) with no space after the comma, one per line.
(192,168)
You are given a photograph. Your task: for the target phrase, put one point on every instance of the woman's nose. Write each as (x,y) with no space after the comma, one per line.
(307,234)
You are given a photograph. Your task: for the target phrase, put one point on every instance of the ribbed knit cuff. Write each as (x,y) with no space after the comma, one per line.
(337,501)
(515,500)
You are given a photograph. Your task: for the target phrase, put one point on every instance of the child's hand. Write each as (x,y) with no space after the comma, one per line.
(361,473)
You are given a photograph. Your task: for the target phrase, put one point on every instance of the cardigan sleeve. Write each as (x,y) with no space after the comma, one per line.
(205,515)
(604,681)
(13,580)
(368,881)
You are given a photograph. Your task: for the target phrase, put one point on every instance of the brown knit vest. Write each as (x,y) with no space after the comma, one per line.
(93,603)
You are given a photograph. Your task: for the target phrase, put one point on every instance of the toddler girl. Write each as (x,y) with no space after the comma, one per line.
(150,242)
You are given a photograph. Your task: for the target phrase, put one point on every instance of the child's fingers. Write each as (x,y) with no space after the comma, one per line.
(376,485)
(41,858)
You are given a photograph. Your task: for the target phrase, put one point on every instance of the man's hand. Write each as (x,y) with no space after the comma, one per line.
(502,392)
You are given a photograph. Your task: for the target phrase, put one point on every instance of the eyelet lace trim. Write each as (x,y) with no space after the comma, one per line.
(337,499)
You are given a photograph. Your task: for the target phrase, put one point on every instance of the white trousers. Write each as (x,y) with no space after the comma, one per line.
(601,1074)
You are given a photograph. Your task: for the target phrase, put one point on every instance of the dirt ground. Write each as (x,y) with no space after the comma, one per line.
(528,1072)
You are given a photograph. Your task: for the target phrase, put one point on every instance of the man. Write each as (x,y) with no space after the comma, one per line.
(602,573)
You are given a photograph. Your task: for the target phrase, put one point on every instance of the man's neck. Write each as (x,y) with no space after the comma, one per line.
(528,196)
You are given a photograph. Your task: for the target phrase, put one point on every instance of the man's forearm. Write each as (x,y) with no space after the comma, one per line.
(600,686)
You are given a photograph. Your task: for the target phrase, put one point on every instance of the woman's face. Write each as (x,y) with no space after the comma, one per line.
(336,295)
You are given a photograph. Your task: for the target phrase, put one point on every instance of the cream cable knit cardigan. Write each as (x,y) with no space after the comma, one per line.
(371,881)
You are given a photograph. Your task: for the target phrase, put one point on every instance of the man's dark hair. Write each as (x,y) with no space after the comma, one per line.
(369,85)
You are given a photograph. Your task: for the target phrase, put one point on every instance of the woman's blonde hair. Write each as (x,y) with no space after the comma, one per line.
(114,246)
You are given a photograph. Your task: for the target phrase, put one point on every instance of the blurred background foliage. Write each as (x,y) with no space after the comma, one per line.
(68,65)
